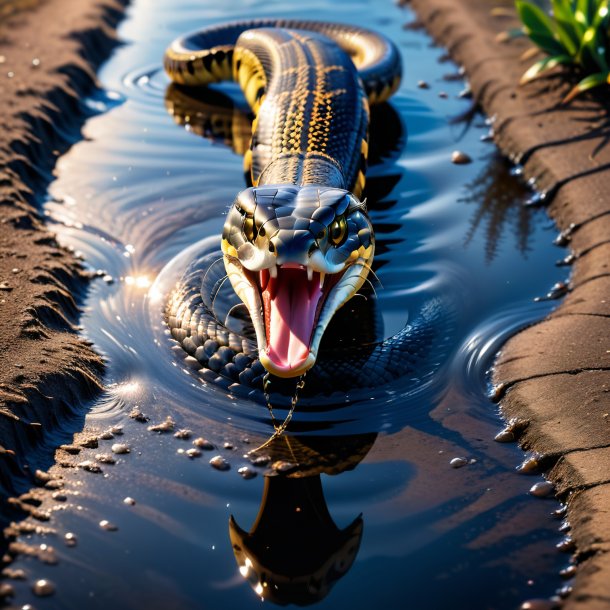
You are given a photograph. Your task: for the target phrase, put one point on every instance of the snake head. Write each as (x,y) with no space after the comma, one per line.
(294,255)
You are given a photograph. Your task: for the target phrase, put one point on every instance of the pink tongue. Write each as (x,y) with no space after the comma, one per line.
(291,304)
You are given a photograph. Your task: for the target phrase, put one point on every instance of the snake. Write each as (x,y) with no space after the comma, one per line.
(298,242)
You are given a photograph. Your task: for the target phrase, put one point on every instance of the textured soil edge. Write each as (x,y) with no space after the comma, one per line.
(555,374)
(49,52)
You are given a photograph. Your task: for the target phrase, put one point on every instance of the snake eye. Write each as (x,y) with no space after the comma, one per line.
(248,227)
(338,231)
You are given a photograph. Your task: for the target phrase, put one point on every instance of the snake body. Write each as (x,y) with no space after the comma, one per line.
(297,244)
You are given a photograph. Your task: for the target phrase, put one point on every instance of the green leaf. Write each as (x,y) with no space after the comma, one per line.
(544,65)
(589,82)
(539,27)
(585,9)
(564,16)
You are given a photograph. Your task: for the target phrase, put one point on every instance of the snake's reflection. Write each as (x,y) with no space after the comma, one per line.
(294,552)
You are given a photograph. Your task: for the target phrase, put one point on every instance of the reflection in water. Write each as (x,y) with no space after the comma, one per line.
(499,205)
(294,552)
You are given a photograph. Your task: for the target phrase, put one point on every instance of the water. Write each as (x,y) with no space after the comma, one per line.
(137,192)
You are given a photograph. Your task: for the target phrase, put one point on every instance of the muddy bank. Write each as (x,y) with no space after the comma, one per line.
(556,374)
(49,52)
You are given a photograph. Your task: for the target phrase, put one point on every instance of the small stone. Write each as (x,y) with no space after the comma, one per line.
(5,286)
(530,465)
(193,452)
(538,604)
(183,434)
(246,472)
(59,496)
(129,501)
(219,463)
(458,462)
(543,489)
(166,426)
(14,574)
(106,435)
(105,458)
(6,590)
(120,448)
(568,572)
(108,526)
(70,539)
(566,545)
(228,445)
(136,414)
(283,466)
(202,443)
(35,62)
(43,588)
(422,84)
(460,158)
(108,279)
(259,460)
(443,95)
(89,466)
(117,430)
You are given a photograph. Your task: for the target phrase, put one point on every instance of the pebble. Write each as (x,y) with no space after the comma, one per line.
(228,445)
(219,463)
(43,587)
(202,443)
(422,84)
(183,434)
(568,572)
(136,414)
(106,435)
(538,604)
(108,526)
(166,426)
(283,466)
(117,430)
(193,452)
(58,496)
(246,472)
(70,539)
(89,466)
(530,465)
(14,574)
(260,460)
(129,501)
(120,448)
(108,279)
(6,590)
(543,489)
(460,158)
(566,545)
(105,458)
(458,462)
(5,286)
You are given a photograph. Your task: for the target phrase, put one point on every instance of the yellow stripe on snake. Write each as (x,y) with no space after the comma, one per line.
(298,243)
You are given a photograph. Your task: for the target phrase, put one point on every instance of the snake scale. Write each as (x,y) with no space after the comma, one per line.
(298,243)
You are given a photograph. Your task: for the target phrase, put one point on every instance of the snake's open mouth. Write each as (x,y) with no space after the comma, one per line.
(292,298)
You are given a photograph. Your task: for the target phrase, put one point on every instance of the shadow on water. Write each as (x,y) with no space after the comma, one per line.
(359,504)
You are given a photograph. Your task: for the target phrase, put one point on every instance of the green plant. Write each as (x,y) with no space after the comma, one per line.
(577,34)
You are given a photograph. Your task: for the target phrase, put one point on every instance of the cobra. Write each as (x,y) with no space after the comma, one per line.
(298,243)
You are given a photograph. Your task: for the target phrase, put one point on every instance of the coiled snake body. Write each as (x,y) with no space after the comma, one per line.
(298,243)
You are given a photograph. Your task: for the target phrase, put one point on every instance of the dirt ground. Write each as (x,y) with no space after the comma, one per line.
(555,375)
(49,52)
